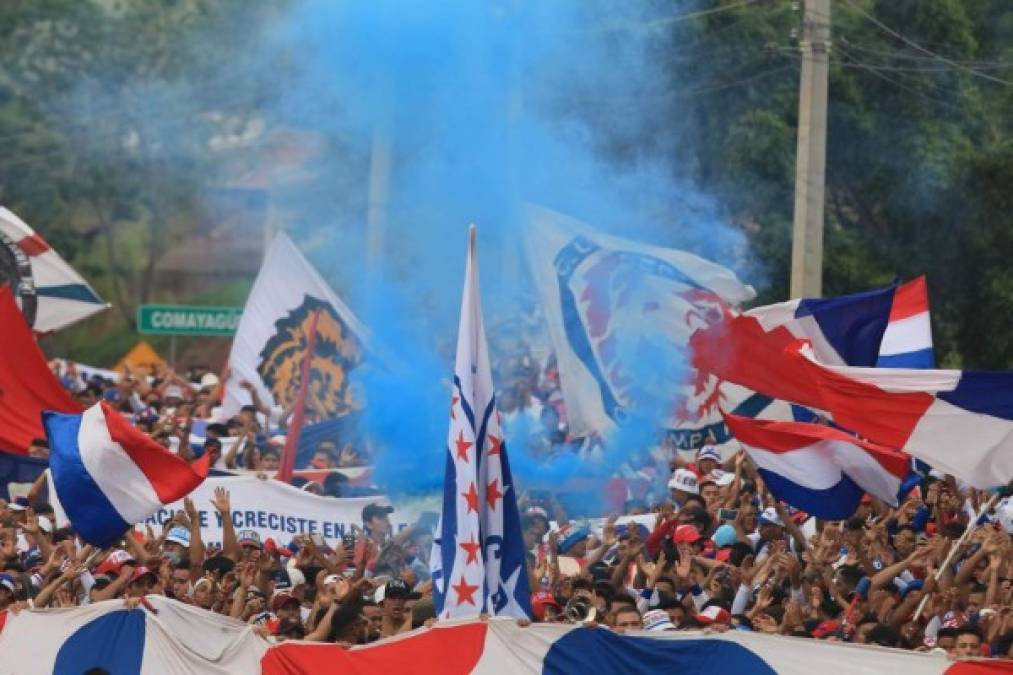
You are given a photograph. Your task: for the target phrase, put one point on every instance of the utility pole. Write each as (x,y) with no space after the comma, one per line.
(811,156)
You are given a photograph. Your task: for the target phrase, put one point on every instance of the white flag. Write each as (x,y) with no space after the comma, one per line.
(270,342)
(478,557)
(50,293)
(620,315)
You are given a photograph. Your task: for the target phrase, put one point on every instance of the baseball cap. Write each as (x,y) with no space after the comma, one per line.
(725,536)
(573,538)
(173,391)
(375,510)
(113,562)
(7,581)
(686,534)
(179,535)
(397,588)
(209,380)
(19,504)
(657,619)
(140,572)
(685,480)
(708,452)
(281,599)
(722,478)
(714,614)
(249,538)
(770,517)
(539,601)
(270,546)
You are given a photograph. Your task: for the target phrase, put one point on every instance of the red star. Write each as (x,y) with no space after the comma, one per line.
(472,496)
(494,444)
(492,493)
(453,402)
(471,548)
(462,446)
(465,592)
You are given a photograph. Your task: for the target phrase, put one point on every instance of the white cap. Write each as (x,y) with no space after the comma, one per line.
(209,380)
(722,478)
(685,480)
(770,517)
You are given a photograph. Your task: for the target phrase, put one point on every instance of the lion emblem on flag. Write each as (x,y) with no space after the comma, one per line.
(336,352)
(638,314)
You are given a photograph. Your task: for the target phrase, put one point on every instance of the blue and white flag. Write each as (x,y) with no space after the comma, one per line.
(620,314)
(478,557)
(50,293)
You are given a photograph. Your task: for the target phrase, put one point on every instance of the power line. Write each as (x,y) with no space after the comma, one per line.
(665,21)
(874,70)
(903,56)
(911,43)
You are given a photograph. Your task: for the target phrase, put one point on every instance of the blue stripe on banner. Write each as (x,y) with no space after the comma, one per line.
(852,324)
(78,292)
(983,392)
(834,503)
(921,359)
(91,514)
(752,406)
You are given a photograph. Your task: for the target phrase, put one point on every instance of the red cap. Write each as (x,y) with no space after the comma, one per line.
(723,554)
(271,547)
(714,614)
(114,562)
(539,601)
(281,600)
(826,628)
(141,571)
(685,534)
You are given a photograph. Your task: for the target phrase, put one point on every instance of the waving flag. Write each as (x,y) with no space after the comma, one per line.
(818,469)
(108,476)
(27,386)
(478,557)
(500,646)
(879,327)
(620,315)
(907,341)
(960,422)
(50,293)
(289,298)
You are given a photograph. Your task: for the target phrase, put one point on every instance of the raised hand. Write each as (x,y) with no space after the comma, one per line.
(221,501)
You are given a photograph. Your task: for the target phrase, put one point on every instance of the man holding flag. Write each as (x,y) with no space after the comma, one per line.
(478,560)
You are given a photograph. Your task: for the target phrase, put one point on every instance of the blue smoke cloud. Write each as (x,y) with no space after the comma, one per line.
(485,106)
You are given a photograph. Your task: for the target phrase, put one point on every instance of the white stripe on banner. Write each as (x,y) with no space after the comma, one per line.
(940,437)
(123,483)
(907,335)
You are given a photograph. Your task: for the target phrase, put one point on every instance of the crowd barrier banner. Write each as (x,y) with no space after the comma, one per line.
(501,646)
(280,511)
(110,638)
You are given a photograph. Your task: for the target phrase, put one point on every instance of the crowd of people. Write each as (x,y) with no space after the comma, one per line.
(713,550)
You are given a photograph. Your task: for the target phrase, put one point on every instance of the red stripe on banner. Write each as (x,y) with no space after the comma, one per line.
(33,245)
(451,650)
(740,351)
(170,475)
(887,418)
(784,437)
(981,667)
(910,299)
(287,460)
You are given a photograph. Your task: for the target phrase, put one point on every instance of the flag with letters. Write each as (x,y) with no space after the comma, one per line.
(478,557)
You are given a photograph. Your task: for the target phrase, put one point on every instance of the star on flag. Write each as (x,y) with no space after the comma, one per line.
(471,548)
(472,496)
(462,446)
(492,493)
(465,592)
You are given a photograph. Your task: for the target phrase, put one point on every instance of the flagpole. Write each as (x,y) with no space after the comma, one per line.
(286,466)
(971,527)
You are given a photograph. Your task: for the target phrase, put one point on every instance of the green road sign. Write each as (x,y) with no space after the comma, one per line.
(187,320)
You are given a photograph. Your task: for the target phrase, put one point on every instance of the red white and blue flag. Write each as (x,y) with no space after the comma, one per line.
(106,476)
(478,557)
(819,469)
